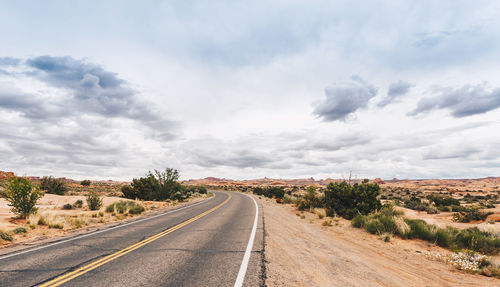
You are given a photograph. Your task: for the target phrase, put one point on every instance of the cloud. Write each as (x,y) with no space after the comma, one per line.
(65,112)
(344,99)
(9,61)
(395,91)
(462,102)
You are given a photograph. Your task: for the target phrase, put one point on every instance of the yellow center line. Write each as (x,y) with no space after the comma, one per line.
(91,266)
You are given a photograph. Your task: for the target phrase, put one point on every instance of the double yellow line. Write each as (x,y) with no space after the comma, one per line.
(82,270)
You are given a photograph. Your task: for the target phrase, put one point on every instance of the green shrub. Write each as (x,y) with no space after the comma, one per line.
(270,191)
(136,209)
(158,186)
(420,229)
(22,196)
(78,203)
(443,237)
(53,185)
(359,221)
(348,200)
(85,182)
(6,236)
(19,230)
(110,208)
(474,239)
(67,206)
(121,206)
(469,214)
(94,201)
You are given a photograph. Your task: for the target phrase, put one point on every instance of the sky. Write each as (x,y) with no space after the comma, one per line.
(250,89)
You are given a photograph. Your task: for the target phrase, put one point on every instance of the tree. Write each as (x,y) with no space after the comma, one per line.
(22,196)
(348,200)
(53,185)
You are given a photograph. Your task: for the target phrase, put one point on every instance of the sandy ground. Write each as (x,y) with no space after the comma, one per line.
(52,204)
(301,253)
(444,219)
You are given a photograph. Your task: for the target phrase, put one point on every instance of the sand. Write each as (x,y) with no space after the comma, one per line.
(300,253)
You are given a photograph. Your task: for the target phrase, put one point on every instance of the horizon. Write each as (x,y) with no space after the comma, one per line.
(250,90)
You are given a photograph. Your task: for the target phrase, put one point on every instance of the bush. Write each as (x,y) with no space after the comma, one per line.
(110,208)
(22,196)
(53,185)
(359,221)
(78,203)
(85,182)
(157,186)
(67,206)
(348,200)
(474,239)
(94,201)
(136,209)
(270,191)
(19,230)
(121,206)
(129,192)
(469,214)
(6,236)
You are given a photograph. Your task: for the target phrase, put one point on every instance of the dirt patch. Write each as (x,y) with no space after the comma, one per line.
(302,252)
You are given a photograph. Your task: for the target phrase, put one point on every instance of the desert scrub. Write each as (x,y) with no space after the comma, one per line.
(5,236)
(386,237)
(382,222)
(136,209)
(53,185)
(110,208)
(78,203)
(327,222)
(51,220)
(468,214)
(67,206)
(20,230)
(94,201)
(320,213)
(33,219)
(78,222)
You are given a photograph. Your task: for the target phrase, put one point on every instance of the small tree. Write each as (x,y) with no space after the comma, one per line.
(348,200)
(22,196)
(53,185)
(94,201)
(85,182)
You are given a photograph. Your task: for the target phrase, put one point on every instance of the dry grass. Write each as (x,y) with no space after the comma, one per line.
(320,212)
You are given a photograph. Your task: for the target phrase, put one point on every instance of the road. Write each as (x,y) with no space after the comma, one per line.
(203,244)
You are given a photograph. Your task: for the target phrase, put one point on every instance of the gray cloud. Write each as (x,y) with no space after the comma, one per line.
(395,91)
(462,102)
(9,61)
(76,115)
(336,142)
(344,99)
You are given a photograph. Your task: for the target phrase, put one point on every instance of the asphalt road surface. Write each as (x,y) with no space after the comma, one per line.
(203,244)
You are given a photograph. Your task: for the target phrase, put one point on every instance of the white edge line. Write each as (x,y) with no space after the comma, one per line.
(248,251)
(103,230)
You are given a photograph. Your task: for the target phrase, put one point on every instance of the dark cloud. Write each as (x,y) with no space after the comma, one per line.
(81,117)
(395,91)
(93,89)
(462,102)
(344,99)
